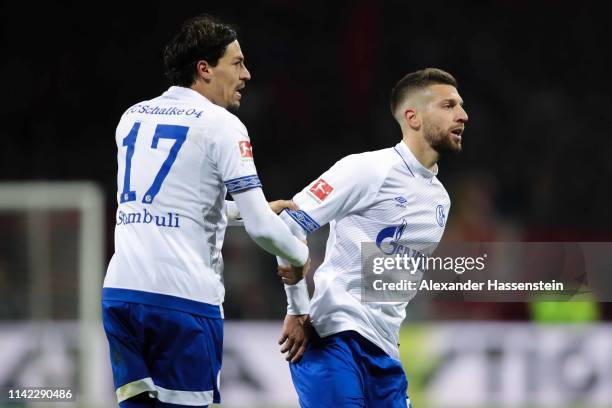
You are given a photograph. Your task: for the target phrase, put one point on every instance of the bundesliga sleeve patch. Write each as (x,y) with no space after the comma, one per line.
(321,189)
(246,151)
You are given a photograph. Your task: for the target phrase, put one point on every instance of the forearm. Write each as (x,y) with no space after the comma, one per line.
(266,229)
(298,300)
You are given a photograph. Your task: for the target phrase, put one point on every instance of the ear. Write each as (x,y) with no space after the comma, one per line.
(412,118)
(204,70)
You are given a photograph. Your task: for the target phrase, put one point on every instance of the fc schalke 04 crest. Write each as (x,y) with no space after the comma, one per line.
(440,216)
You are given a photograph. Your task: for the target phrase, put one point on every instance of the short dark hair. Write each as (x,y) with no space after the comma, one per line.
(200,38)
(418,80)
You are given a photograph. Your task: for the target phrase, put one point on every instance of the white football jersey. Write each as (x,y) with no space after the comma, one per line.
(178,156)
(383,197)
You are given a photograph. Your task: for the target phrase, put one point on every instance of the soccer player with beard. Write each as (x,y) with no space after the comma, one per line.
(393,198)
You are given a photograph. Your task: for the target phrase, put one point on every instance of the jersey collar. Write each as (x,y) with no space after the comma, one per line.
(180,92)
(414,166)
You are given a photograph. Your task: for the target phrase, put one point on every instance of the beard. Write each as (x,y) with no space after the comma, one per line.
(233,108)
(440,139)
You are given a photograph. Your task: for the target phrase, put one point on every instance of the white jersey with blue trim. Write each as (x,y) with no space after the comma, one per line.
(178,156)
(386,197)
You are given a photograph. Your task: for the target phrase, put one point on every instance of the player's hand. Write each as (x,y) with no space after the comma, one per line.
(279,205)
(294,338)
(290,275)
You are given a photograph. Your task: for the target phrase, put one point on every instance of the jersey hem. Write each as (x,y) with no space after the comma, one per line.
(161,300)
(348,327)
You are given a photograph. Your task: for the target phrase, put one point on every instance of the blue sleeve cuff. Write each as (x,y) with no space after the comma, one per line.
(242,183)
(304,220)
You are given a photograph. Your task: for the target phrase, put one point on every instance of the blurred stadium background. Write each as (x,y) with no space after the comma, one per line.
(535,167)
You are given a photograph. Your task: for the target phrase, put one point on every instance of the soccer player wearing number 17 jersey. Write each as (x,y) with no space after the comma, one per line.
(389,197)
(178,156)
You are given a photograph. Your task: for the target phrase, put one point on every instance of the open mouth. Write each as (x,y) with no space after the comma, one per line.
(457,132)
(237,92)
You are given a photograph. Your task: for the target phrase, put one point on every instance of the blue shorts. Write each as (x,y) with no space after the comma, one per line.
(346,370)
(172,355)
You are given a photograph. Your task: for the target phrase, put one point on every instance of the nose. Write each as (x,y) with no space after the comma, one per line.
(462,116)
(245,75)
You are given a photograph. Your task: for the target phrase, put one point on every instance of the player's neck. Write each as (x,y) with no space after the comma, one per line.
(201,88)
(423,152)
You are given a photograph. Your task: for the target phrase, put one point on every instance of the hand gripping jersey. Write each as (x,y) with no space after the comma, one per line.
(179,155)
(383,197)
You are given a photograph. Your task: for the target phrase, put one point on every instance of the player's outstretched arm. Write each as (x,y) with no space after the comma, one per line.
(235,219)
(268,231)
(337,192)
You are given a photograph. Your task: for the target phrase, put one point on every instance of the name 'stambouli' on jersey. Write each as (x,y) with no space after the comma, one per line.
(178,156)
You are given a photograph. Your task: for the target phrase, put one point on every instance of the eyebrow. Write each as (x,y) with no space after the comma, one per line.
(239,59)
(453,101)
